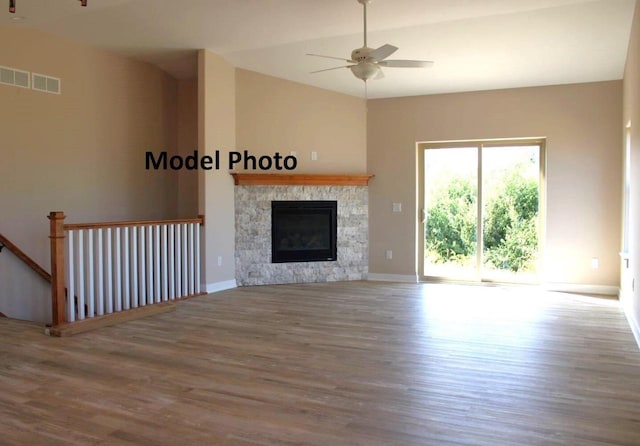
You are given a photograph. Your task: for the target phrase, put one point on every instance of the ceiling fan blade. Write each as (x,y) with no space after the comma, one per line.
(331,57)
(398,63)
(382,53)
(329,69)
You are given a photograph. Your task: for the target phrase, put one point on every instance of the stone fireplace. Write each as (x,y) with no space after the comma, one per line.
(255,203)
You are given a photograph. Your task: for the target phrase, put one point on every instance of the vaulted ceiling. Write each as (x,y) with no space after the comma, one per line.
(476,44)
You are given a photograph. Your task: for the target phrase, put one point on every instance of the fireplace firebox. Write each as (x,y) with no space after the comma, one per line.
(303,231)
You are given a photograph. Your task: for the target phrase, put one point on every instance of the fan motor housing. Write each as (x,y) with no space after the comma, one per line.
(361,54)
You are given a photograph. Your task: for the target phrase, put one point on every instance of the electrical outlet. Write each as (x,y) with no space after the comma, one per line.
(389,254)
(314,156)
(397,207)
(219,260)
(595,263)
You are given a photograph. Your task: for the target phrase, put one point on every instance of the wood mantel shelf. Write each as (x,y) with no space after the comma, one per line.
(269,179)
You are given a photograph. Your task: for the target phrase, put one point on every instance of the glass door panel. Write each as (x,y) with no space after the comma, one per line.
(510,213)
(451,213)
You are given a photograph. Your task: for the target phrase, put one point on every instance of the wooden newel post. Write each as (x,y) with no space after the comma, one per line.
(56,235)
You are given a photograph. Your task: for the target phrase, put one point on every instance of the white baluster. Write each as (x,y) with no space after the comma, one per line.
(134,267)
(117,271)
(71,284)
(90,295)
(172,258)
(99,271)
(80,271)
(165,249)
(185,261)
(142,291)
(126,289)
(150,290)
(178,271)
(191,259)
(108,263)
(117,268)
(197,267)
(156,263)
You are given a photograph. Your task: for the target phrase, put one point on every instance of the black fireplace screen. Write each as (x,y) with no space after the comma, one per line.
(303,231)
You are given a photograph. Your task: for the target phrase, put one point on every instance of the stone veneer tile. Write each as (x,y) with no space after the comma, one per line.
(253,235)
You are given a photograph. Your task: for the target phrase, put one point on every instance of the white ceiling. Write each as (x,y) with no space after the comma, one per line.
(476,44)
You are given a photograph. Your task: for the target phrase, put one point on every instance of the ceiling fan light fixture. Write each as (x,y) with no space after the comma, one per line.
(368,61)
(365,71)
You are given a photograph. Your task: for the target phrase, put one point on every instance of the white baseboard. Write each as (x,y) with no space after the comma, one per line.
(220,286)
(392,278)
(581,288)
(634,324)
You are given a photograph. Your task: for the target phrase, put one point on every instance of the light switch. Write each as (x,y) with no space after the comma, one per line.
(397,207)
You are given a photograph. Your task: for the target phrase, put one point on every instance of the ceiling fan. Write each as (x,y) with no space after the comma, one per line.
(366,62)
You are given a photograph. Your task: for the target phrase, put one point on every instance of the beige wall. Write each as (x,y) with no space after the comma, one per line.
(241,110)
(275,115)
(187,143)
(631,103)
(81,152)
(582,127)
(216,131)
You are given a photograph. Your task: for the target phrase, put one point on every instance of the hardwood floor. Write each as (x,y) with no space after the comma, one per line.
(356,363)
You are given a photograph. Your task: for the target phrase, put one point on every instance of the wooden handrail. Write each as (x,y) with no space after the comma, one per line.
(120,224)
(25,258)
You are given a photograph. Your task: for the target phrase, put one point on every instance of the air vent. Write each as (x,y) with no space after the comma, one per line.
(13,76)
(48,84)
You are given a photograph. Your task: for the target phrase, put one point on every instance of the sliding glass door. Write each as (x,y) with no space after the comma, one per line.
(480,210)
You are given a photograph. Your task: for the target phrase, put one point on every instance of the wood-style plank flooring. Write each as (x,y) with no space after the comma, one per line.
(357,363)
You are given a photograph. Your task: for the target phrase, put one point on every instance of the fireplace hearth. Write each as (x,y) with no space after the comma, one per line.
(303,231)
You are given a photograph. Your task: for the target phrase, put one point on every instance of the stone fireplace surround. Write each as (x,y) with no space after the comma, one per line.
(253,196)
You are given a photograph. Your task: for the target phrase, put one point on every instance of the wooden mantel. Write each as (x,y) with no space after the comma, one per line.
(269,179)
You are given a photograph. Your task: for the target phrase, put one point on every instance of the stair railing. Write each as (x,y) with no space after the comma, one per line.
(116,267)
(6,243)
